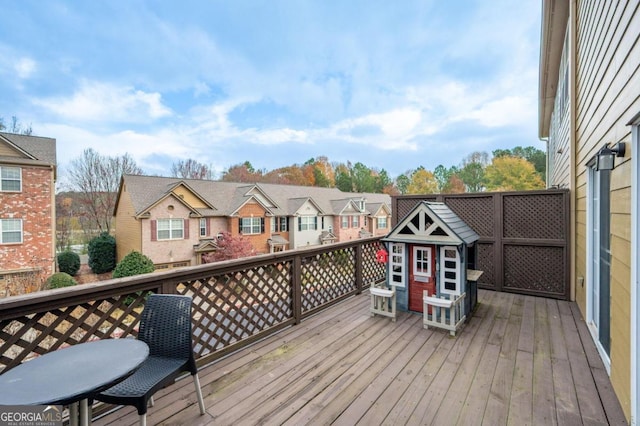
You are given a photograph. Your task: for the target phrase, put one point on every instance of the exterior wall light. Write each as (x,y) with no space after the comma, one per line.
(605,158)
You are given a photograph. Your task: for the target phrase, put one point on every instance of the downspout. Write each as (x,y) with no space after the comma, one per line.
(573,142)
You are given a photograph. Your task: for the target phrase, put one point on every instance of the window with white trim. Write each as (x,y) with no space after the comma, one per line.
(422,261)
(355,221)
(450,262)
(382,222)
(203,227)
(344,222)
(11,231)
(307,223)
(170,229)
(251,225)
(10,179)
(396,264)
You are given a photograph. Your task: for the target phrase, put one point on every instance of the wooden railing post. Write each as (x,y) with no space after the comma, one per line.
(358,268)
(296,288)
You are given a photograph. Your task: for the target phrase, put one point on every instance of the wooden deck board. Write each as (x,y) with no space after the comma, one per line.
(543,402)
(519,360)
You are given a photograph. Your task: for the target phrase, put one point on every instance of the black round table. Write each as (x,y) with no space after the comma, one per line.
(72,374)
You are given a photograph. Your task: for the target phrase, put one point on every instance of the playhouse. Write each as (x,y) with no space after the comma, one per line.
(431,266)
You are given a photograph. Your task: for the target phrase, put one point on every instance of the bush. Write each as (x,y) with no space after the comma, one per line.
(102,253)
(59,280)
(69,262)
(135,263)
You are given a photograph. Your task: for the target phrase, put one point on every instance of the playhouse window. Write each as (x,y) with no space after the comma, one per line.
(422,261)
(450,282)
(396,264)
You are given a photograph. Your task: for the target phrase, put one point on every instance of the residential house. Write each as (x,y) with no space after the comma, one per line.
(27,212)
(175,221)
(589,114)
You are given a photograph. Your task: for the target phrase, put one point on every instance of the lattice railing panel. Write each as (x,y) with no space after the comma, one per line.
(477,212)
(327,276)
(38,333)
(236,305)
(484,263)
(372,271)
(539,268)
(534,216)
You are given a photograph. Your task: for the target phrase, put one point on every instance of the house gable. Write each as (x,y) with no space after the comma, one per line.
(9,150)
(249,201)
(308,208)
(170,196)
(432,223)
(261,195)
(350,209)
(190,197)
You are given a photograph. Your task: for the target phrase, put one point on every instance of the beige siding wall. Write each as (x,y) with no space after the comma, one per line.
(558,151)
(127,227)
(8,151)
(608,78)
(189,197)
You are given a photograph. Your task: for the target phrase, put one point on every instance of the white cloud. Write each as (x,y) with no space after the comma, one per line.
(95,101)
(25,67)
(510,110)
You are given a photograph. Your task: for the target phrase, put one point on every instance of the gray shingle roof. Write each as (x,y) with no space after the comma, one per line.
(36,147)
(453,221)
(227,197)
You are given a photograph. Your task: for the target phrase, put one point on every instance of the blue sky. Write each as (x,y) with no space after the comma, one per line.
(393,85)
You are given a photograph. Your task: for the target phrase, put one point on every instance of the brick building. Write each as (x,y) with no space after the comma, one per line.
(27,212)
(175,221)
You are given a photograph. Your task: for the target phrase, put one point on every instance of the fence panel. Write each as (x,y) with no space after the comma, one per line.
(524,237)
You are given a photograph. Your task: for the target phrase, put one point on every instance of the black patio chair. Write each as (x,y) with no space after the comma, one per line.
(165,325)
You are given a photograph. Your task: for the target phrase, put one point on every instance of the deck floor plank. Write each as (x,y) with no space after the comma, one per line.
(379,397)
(518,360)
(543,402)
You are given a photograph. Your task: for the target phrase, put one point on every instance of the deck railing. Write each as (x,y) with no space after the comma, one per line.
(235,302)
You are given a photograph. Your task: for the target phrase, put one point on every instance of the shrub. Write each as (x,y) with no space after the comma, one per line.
(59,280)
(102,253)
(135,263)
(69,262)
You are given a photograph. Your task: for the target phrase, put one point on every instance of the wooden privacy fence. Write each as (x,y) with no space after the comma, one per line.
(524,237)
(234,303)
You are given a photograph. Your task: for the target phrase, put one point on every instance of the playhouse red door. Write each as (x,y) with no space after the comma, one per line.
(422,272)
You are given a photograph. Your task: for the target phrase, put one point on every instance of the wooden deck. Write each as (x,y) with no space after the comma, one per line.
(521,360)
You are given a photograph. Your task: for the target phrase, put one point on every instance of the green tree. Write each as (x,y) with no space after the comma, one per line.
(422,182)
(507,173)
(533,155)
(363,178)
(134,263)
(68,262)
(472,171)
(344,180)
(59,280)
(102,253)
(383,182)
(402,183)
(444,176)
